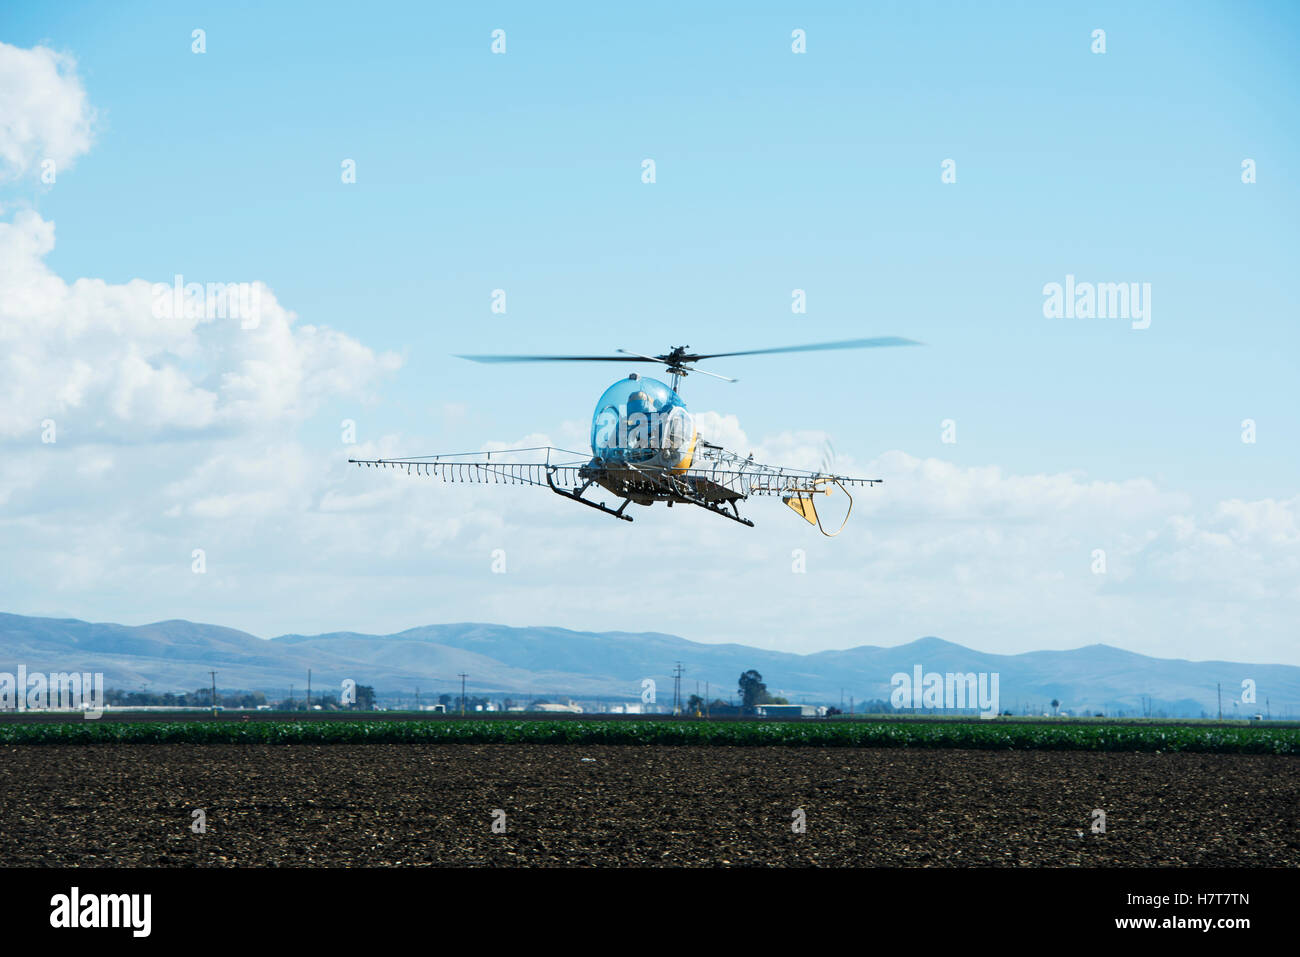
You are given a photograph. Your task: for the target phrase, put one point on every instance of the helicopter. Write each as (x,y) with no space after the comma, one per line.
(645,448)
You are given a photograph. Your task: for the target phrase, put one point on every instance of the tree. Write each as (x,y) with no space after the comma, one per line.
(694,704)
(1055,704)
(365,698)
(752,690)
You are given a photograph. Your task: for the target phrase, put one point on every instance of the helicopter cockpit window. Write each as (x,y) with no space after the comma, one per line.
(637,419)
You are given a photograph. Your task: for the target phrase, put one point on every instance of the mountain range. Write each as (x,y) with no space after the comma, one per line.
(557,663)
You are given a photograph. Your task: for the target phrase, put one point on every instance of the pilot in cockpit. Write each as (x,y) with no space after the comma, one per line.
(641,421)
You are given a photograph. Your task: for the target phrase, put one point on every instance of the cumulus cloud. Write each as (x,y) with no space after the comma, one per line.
(298,540)
(44,111)
(133,361)
(1239,550)
(722,430)
(941,489)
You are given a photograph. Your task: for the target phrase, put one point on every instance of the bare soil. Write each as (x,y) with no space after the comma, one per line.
(409,804)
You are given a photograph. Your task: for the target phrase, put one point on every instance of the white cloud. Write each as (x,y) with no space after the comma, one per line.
(942,489)
(99,360)
(297,540)
(1264,522)
(44,111)
(103,523)
(1239,551)
(722,430)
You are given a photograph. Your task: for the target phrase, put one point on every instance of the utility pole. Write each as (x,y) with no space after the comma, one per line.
(706,699)
(462,694)
(677,688)
(850,704)
(214,691)
(1219,688)
(308,689)
(291,707)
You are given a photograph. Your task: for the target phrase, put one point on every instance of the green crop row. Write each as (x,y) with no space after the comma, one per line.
(981,736)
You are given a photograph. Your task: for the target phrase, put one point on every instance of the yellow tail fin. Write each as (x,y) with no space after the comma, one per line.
(804,506)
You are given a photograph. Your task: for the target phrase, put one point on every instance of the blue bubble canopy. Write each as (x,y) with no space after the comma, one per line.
(640,421)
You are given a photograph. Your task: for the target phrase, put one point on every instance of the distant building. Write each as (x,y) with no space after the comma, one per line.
(569,708)
(789,711)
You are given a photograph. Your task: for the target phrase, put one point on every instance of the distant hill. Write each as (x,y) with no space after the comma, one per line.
(177,655)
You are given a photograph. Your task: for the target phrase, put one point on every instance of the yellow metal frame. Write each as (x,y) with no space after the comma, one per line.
(802,504)
(685,463)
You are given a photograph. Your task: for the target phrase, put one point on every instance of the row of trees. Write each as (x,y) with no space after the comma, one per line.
(327,700)
(199,698)
(202,698)
(751,690)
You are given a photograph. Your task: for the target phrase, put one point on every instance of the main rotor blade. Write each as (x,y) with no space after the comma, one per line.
(878,343)
(550,358)
(714,374)
(695,357)
(642,356)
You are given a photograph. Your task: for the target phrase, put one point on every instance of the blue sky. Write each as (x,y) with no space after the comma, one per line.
(775,171)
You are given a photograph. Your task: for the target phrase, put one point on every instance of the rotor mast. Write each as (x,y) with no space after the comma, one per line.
(676,370)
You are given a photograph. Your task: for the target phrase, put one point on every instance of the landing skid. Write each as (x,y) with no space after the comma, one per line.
(716,509)
(734,514)
(600,506)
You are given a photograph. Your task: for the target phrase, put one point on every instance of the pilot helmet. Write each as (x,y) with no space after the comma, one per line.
(640,402)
